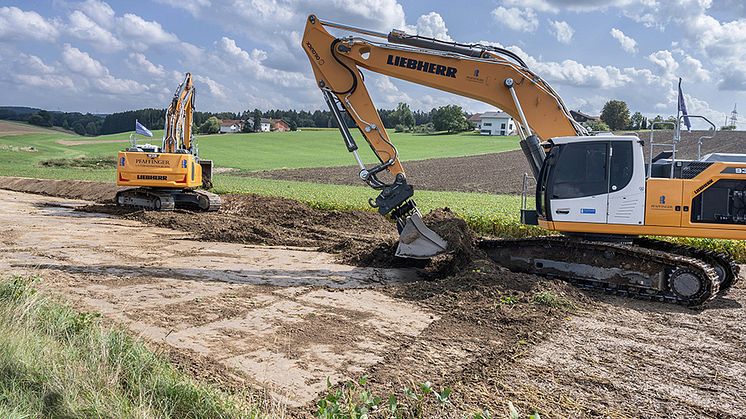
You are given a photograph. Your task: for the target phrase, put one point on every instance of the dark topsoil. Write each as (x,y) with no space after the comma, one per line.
(498,173)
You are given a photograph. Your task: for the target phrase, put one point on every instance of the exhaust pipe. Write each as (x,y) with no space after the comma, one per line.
(417,241)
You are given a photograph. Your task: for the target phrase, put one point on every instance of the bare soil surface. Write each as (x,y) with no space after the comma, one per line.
(498,173)
(19,128)
(282,318)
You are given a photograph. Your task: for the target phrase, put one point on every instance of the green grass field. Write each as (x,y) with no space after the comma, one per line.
(267,151)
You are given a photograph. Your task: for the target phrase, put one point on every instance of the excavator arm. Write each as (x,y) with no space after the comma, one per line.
(177,130)
(492,75)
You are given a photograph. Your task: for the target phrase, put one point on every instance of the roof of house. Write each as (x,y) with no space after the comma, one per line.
(475,118)
(582,116)
(495,115)
(230,122)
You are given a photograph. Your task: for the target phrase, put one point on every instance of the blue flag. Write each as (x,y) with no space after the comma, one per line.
(140,129)
(682,108)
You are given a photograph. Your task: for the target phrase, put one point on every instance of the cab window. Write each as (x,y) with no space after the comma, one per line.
(580,170)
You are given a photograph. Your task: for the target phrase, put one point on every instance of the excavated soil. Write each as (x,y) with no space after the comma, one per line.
(283,319)
(498,173)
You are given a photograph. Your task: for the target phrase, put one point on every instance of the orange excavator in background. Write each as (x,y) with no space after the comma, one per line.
(596,190)
(168,176)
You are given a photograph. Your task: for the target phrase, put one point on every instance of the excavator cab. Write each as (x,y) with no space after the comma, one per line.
(592,179)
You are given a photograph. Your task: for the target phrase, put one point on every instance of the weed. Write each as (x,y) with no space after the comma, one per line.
(550,299)
(353,400)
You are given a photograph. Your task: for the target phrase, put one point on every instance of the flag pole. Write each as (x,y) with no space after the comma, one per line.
(677,135)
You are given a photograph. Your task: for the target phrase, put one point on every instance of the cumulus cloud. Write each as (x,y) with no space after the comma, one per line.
(17,24)
(138,61)
(143,33)
(97,74)
(627,43)
(432,25)
(83,27)
(524,20)
(82,63)
(665,62)
(561,30)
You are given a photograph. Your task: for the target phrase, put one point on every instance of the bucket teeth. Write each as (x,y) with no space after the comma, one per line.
(417,241)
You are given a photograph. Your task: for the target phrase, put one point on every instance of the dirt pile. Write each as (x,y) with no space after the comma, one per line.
(253,219)
(73,189)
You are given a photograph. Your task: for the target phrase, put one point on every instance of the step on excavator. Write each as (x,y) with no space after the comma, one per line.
(168,176)
(598,191)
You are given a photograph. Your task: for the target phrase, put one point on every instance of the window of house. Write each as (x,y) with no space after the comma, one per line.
(487,124)
(502,126)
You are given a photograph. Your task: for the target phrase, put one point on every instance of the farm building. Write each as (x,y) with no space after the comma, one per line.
(495,123)
(269,124)
(583,117)
(230,126)
(475,120)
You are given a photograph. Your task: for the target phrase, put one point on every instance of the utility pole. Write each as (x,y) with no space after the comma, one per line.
(734,116)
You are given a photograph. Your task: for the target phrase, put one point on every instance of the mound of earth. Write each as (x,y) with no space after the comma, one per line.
(73,189)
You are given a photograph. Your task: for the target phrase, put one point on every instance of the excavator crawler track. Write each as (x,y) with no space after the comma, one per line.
(726,268)
(617,268)
(168,199)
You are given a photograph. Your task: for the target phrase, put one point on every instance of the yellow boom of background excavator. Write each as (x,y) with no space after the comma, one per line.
(167,176)
(599,191)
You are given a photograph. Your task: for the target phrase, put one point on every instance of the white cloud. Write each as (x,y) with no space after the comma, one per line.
(192,6)
(83,27)
(561,30)
(666,63)
(97,74)
(17,24)
(216,89)
(45,81)
(35,64)
(142,33)
(627,43)
(140,62)
(432,25)
(99,11)
(82,63)
(524,20)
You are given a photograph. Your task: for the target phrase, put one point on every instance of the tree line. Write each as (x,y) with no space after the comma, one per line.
(447,118)
(616,116)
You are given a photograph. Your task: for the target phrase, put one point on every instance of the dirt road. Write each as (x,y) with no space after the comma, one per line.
(159,283)
(283,319)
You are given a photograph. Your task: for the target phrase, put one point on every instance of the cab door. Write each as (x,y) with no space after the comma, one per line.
(578,182)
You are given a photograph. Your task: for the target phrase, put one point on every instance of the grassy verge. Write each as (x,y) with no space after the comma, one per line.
(56,362)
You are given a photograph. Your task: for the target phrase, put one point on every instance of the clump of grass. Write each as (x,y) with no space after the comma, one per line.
(81,163)
(56,362)
(550,299)
(353,400)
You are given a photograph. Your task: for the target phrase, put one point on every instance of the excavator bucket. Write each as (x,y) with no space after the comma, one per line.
(417,241)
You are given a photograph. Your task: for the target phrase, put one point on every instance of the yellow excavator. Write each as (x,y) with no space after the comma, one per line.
(167,176)
(599,191)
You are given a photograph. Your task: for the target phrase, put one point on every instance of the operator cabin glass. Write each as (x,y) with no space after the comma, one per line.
(582,169)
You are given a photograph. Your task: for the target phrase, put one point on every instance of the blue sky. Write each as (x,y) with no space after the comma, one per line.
(107,56)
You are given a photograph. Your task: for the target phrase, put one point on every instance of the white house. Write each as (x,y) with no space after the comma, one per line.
(230,126)
(495,123)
